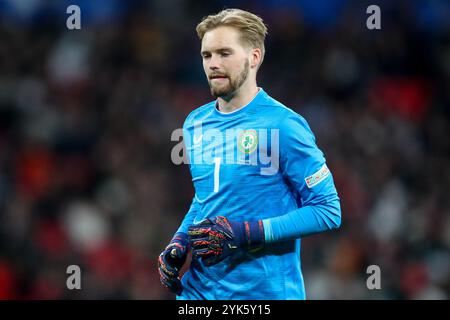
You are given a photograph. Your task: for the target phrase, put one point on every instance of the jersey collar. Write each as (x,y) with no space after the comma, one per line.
(241,109)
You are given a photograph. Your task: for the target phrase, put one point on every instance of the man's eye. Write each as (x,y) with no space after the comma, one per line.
(225,54)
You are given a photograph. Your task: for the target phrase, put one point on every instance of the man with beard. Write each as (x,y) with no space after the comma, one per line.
(246,219)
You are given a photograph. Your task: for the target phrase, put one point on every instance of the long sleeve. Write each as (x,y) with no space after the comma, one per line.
(189,217)
(194,208)
(304,168)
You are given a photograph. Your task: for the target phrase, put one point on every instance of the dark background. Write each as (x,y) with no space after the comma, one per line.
(86,116)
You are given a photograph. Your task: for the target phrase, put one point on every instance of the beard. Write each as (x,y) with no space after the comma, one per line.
(232,85)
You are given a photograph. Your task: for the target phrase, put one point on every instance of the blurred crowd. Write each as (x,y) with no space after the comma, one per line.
(86,117)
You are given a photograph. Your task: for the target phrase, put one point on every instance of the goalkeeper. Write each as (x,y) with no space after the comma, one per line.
(248,215)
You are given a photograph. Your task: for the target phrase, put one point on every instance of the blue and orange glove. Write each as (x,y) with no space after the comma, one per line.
(215,239)
(171,261)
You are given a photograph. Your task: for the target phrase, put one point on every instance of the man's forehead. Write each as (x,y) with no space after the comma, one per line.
(220,37)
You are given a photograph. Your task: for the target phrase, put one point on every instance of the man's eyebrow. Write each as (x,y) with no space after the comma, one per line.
(218,50)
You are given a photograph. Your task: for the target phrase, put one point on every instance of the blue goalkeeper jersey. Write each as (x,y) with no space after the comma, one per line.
(259,162)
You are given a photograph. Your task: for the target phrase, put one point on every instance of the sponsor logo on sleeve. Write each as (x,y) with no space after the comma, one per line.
(317,177)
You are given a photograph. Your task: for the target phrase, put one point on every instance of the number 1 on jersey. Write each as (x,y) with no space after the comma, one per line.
(216,173)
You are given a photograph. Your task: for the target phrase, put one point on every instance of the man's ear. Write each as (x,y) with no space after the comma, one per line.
(255,59)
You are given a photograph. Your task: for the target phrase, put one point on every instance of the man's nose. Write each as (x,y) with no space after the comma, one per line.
(214,63)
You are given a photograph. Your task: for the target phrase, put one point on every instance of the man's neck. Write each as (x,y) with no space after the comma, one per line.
(240,99)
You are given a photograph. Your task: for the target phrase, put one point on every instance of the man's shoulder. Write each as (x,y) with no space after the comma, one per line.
(288,121)
(278,111)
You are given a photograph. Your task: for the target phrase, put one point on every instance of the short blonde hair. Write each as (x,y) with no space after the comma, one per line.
(252,28)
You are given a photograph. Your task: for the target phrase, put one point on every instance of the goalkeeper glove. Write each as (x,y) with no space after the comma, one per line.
(171,260)
(217,238)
